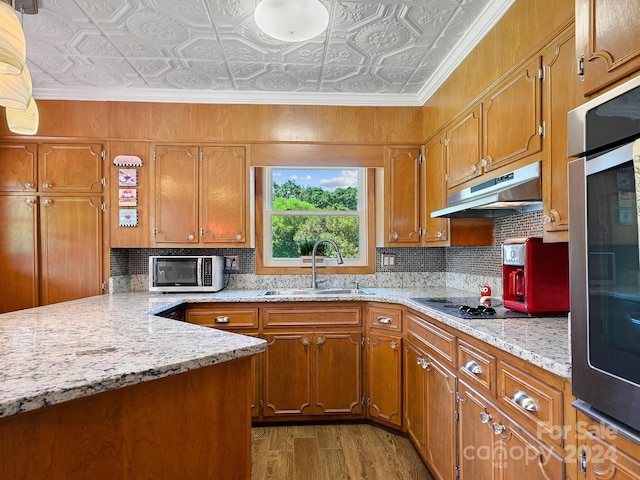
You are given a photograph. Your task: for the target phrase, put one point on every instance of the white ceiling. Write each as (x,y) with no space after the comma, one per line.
(391,52)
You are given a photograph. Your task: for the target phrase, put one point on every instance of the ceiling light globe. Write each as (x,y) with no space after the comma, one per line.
(12,44)
(291,20)
(24,122)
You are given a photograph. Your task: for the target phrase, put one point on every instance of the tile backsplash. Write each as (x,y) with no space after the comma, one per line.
(460,267)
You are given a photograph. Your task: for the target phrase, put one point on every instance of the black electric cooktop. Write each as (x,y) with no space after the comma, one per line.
(469,308)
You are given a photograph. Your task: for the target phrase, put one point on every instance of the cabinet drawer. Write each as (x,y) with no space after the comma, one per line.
(434,337)
(312,314)
(385,318)
(225,318)
(478,367)
(531,402)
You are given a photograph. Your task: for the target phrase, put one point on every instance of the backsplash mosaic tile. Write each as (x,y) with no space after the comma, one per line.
(461,267)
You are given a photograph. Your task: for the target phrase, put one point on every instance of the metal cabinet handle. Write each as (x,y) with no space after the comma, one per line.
(547,219)
(474,168)
(30,201)
(202,232)
(425,365)
(305,341)
(238,236)
(394,345)
(47,184)
(47,201)
(191,236)
(384,320)
(222,319)
(473,367)
(485,417)
(498,428)
(484,162)
(320,340)
(525,401)
(440,234)
(28,186)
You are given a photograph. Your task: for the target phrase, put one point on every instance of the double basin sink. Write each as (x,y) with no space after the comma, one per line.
(310,292)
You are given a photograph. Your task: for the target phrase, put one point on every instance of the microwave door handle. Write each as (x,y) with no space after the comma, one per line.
(199,272)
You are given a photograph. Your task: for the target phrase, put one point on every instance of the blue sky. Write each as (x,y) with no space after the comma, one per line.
(328,179)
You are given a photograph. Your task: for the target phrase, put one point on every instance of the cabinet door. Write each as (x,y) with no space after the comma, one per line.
(464,147)
(385,378)
(605,461)
(337,374)
(224,195)
(287,374)
(18,253)
(18,168)
(71,248)
(609,38)
(435,189)
(562,92)
(415,387)
(440,419)
(402,191)
(176,196)
(512,118)
(477,442)
(70,168)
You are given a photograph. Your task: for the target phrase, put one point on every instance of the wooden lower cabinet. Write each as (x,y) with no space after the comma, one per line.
(604,454)
(384,378)
(313,373)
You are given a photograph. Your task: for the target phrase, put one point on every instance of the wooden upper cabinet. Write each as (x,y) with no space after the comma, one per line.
(71,229)
(176,195)
(70,168)
(512,118)
(224,194)
(201,195)
(435,192)
(403,196)
(562,91)
(464,147)
(18,252)
(18,167)
(608,37)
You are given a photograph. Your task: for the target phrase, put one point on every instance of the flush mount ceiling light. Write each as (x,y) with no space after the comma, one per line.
(291,20)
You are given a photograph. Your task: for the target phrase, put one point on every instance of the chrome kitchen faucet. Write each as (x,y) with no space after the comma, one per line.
(314,281)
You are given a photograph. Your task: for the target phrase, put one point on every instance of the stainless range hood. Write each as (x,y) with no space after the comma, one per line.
(516,192)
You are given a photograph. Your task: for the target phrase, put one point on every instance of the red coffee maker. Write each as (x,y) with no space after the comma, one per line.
(535,276)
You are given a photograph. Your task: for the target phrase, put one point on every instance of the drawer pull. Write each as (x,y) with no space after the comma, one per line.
(525,401)
(485,417)
(473,367)
(384,320)
(223,319)
(425,365)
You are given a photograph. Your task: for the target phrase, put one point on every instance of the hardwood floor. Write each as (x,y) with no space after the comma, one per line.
(333,452)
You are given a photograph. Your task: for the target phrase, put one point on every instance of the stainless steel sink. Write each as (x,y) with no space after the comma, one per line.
(291,292)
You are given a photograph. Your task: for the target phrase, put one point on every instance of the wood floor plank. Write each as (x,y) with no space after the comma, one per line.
(280,466)
(328,436)
(260,456)
(306,459)
(334,464)
(281,438)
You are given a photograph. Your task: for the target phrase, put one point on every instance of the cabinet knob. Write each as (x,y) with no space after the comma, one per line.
(472,367)
(485,417)
(394,345)
(440,234)
(320,340)
(28,186)
(498,428)
(425,365)
(47,201)
(474,168)
(191,236)
(384,320)
(47,184)
(547,219)
(525,401)
(238,236)
(394,235)
(222,319)
(30,201)
(305,341)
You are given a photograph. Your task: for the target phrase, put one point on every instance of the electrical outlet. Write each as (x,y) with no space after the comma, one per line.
(231,263)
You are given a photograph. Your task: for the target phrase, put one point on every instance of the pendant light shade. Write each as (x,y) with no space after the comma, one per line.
(291,20)
(15,90)
(12,43)
(24,122)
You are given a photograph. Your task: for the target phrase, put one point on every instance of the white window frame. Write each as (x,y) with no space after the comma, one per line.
(269,213)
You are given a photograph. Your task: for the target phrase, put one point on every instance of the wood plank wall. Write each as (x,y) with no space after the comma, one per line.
(171,122)
(525,26)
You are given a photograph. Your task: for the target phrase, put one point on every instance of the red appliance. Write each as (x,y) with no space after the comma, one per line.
(535,276)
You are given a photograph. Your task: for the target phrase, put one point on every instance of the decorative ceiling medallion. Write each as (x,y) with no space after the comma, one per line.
(156,28)
(382,37)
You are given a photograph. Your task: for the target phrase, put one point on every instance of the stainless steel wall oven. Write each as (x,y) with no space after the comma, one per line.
(604,189)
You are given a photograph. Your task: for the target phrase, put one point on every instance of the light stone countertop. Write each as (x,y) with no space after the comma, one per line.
(70,350)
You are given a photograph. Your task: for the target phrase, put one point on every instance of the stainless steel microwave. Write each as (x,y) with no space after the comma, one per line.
(604,256)
(175,273)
